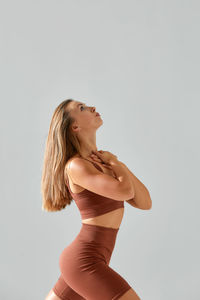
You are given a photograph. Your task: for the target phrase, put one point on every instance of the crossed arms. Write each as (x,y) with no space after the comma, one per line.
(142,199)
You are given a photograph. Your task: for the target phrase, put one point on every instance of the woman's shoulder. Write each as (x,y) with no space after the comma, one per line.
(67,165)
(70,160)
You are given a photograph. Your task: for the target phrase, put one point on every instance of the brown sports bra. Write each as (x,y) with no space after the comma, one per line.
(91,204)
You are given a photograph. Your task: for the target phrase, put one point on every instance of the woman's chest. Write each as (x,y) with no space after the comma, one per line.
(77,188)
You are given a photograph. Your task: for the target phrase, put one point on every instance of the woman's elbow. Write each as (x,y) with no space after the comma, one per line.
(148,201)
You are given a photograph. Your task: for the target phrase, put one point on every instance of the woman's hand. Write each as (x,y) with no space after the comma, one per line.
(103,157)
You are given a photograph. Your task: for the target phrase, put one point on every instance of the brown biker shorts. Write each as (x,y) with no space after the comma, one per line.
(84,266)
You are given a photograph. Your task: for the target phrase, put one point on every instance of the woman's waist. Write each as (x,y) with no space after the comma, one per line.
(111,219)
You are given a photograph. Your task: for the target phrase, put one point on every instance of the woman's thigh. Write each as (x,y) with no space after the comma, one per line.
(96,281)
(85,269)
(130,295)
(62,290)
(65,295)
(52,296)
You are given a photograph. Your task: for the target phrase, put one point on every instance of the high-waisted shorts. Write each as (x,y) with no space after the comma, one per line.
(84,266)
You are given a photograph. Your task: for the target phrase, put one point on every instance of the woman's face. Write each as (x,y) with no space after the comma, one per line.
(84,115)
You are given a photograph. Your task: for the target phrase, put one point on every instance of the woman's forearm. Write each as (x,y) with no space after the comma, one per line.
(122,175)
(142,197)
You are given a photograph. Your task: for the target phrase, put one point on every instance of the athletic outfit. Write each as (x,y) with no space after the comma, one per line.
(84,264)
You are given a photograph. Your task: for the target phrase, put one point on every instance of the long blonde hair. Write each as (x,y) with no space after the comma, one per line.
(61,145)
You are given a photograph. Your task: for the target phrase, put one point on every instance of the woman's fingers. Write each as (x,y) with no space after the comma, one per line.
(96,158)
(108,167)
(96,153)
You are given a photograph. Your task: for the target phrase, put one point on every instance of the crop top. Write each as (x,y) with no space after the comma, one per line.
(91,204)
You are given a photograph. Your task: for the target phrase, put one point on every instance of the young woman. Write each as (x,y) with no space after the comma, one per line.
(99,184)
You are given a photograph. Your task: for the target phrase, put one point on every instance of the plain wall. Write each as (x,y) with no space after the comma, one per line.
(138,63)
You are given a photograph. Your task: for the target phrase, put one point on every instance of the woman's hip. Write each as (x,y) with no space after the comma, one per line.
(93,244)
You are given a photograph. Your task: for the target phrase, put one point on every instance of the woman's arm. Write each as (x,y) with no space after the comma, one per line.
(142,197)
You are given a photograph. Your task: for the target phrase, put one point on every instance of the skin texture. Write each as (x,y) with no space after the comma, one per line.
(142,199)
(86,175)
(52,296)
(85,126)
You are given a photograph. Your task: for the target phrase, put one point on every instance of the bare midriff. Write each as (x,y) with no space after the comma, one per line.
(111,219)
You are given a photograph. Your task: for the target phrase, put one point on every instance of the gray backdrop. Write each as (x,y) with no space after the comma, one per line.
(138,63)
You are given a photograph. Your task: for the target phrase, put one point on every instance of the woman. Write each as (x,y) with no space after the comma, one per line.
(99,184)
